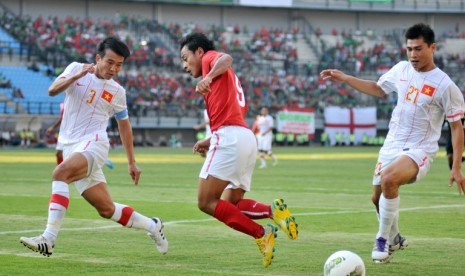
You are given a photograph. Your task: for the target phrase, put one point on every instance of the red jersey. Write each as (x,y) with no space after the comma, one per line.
(225,102)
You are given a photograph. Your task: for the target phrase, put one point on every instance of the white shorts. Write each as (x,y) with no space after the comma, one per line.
(96,152)
(386,157)
(231,157)
(264,142)
(59,146)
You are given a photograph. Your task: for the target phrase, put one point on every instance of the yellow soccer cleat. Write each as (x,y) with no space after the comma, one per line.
(283,218)
(266,244)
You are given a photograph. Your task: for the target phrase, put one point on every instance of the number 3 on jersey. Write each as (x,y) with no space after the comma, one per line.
(92,96)
(240,92)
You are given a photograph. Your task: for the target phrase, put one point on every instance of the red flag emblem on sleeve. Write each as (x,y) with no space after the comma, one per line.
(428,90)
(107,96)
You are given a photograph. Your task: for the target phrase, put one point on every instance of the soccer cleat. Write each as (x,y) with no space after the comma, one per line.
(38,244)
(159,237)
(380,253)
(400,242)
(266,243)
(109,164)
(262,166)
(283,218)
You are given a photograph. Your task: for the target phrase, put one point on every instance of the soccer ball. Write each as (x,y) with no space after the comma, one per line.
(344,263)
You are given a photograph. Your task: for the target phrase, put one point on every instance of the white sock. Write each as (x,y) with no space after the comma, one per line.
(394,228)
(387,212)
(126,216)
(262,160)
(57,209)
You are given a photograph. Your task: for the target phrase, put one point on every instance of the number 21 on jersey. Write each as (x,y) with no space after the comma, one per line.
(412,94)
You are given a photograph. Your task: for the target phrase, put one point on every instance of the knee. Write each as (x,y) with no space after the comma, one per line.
(60,173)
(390,184)
(106,211)
(375,199)
(203,206)
(206,206)
(387,179)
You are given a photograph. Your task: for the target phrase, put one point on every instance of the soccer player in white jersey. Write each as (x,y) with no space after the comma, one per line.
(205,124)
(425,95)
(265,125)
(92,96)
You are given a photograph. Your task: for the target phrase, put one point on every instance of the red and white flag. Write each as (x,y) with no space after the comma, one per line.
(345,121)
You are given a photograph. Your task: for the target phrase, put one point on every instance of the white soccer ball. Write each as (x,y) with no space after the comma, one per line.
(344,263)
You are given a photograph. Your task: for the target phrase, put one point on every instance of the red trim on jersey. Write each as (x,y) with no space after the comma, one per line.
(60,200)
(126,214)
(88,143)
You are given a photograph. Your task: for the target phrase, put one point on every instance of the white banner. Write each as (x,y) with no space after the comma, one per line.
(266,3)
(296,120)
(345,121)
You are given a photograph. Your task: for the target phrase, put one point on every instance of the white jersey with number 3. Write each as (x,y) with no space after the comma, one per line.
(89,103)
(424,98)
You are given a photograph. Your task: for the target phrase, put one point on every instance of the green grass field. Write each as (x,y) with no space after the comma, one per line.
(327,189)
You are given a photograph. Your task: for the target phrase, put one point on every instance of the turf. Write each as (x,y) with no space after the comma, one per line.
(327,189)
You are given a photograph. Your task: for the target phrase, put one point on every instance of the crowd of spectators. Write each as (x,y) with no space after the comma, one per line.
(155,82)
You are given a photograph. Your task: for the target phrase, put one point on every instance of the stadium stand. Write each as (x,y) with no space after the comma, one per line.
(34,87)
(277,56)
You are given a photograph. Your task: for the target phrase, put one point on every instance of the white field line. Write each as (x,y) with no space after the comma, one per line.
(212,219)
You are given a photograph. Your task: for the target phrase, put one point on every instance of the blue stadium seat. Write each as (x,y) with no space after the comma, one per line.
(34,86)
(8,41)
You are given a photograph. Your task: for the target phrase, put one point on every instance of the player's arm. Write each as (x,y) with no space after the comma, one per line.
(365,86)
(54,126)
(201,146)
(202,125)
(221,65)
(61,84)
(125,132)
(457,145)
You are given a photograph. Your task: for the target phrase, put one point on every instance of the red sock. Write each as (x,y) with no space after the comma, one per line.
(59,159)
(254,209)
(230,215)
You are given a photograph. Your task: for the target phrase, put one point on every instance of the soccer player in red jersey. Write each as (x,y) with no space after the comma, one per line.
(231,149)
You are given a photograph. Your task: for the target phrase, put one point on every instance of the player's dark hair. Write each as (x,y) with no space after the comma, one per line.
(420,30)
(195,41)
(114,44)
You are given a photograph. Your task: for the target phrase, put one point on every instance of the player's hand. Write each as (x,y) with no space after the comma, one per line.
(457,177)
(201,146)
(203,86)
(49,130)
(333,74)
(135,173)
(86,68)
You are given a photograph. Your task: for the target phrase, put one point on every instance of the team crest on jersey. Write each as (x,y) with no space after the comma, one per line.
(428,90)
(107,96)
